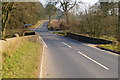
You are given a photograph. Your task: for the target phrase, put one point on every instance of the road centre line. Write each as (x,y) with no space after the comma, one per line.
(66,44)
(94,61)
(80,53)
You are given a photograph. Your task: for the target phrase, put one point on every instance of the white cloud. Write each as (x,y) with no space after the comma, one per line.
(91,2)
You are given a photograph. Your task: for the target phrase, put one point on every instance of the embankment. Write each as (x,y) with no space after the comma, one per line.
(21,57)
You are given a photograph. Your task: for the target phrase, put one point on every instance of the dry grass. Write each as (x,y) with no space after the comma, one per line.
(21,57)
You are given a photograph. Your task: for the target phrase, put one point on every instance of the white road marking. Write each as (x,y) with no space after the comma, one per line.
(66,44)
(41,66)
(45,45)
(43,42)
(94,61)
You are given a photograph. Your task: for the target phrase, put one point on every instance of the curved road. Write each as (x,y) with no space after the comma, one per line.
(67,58)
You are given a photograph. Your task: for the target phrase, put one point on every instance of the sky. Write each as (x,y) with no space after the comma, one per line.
(86,4)
(91,2)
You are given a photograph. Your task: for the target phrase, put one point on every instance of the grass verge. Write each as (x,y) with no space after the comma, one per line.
(110,47)
(24,63)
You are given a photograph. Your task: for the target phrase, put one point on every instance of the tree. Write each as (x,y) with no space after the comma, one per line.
(50,10)
(7,7)
(0,19)
(118,28)
(21,14)
(96,22)
(67,5)
(108,8)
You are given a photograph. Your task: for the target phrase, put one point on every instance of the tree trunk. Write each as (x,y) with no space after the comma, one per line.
(8,8)
(66,17)
(118,29)
(49,19)
(4,30)
(5,23)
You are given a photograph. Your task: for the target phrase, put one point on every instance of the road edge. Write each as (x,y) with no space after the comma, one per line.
(43,50)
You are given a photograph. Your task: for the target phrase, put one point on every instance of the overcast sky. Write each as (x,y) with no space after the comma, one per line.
(91,2)
(82,7)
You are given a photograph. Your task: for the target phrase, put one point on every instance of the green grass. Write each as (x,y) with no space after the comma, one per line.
(24,62)
(108,38)
(110,46)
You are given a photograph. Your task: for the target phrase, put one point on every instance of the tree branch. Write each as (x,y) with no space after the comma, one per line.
(72,6)
(62,4)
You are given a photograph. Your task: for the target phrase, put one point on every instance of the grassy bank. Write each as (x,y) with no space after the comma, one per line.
(110,47)
(24,63)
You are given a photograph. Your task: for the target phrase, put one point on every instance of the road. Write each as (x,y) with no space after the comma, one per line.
(68,58)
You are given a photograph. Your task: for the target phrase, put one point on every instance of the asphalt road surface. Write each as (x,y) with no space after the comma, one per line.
(67,58)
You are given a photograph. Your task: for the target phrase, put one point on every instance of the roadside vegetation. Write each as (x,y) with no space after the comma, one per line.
(16,15)
(100,20)
(24,61)
(110,47)
(21,60)
(96,21)
(21,56)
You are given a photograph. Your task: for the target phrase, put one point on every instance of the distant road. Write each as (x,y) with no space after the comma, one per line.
(67,58)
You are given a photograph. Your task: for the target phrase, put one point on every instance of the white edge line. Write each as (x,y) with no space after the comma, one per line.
(66,44)
(42,40)
(93,60)
(41,66)
(45,45)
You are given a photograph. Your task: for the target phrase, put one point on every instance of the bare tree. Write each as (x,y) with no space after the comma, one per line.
(118,28)
(7,7)
(50,10)
(67,5)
